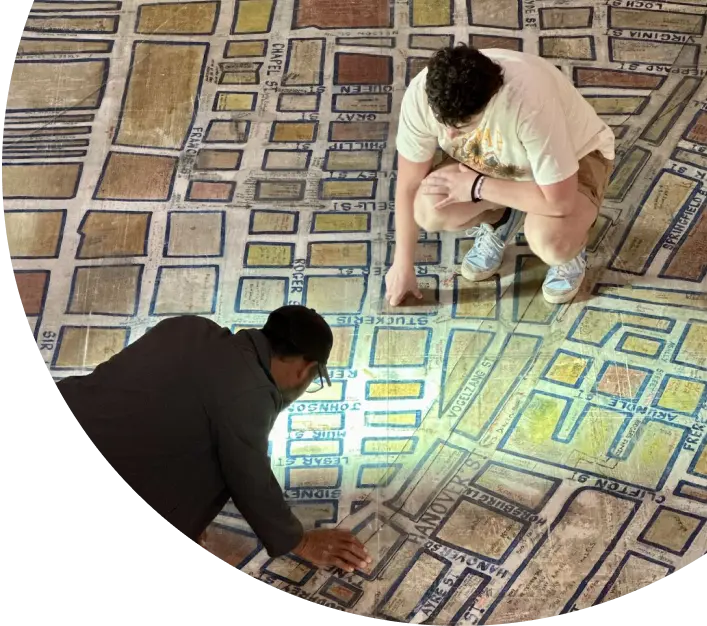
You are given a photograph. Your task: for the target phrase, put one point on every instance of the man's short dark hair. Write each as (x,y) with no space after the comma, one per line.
(460,83)
(295,330)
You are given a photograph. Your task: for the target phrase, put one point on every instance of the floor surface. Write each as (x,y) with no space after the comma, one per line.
(504,459)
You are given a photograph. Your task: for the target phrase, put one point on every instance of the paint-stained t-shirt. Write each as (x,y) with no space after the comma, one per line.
(183,415)
(537,127)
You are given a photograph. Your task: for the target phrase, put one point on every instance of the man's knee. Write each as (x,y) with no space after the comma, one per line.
(553,244)
(427,217)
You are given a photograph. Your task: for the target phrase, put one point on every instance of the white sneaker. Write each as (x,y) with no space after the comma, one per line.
(486,255)
(562,282)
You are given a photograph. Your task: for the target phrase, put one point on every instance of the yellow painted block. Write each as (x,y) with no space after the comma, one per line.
(425,570)
(273,221)
(520,487)
(544,413)
(353,254)
(298,132)
(303,447)
(641,345)
(52,6)
(335,393)
(245,49)
(53,85)
(681,395)
(223,131)
(50,181)
(304,477)
(672,530)
(177,18)
(402,347)
(377,475)
(84,347)
(254,16)
(218,159)
(400,419)
(34,233)
(694,492)
(362,103)
(340,222)
(336,294)
(701,463)
(185,290)
(317,421)
(265,255)
(110,290)
(161,73)
(73,24)
(578,48)
(235,102)
(245,77)
(287,160)
(99,229)
(342,189)
(30,47)
(431,13)
(388,446)
(475,300)
(392,390)
(480,530)
(566,369)
(352,160)
(342,350)
(262,295)
(694,346)
(617,105)
(279,190)
(298,102)
(304,61)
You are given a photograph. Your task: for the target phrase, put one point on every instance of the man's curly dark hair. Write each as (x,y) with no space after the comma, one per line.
(460,83)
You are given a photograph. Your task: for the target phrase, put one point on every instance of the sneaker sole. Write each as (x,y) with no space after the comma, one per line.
(562,298)
(476,277)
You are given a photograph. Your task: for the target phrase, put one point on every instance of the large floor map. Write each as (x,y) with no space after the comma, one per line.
(503,459)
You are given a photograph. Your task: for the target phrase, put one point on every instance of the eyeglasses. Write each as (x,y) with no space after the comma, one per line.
(318,383)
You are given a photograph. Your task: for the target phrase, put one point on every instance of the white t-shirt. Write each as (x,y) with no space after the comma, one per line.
(536,127)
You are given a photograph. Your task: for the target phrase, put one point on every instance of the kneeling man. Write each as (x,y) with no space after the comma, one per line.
(521,141)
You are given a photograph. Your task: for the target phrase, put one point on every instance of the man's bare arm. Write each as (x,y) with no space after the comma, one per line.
(558,200)
(410,176)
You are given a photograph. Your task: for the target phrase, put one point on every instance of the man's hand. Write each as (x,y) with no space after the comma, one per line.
(324,547)
(452,186)
(399,282)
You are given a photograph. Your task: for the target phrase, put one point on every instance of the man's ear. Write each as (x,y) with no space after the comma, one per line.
(305,369)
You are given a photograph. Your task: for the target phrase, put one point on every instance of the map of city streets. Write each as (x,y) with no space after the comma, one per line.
(503,459)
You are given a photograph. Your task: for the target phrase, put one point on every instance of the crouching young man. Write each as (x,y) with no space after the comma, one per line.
(521,142)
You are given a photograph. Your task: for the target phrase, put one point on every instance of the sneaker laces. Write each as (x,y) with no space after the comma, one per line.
(485,239)
(569,269)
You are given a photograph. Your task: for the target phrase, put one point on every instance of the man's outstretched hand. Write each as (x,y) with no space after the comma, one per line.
(324,547)
(399,282)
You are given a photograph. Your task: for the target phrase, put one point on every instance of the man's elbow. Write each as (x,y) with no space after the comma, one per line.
(561,199)
(561,207)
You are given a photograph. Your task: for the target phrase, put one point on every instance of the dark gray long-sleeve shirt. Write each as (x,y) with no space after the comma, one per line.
(183,415)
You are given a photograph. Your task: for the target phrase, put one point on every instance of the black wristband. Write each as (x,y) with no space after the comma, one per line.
(474,197)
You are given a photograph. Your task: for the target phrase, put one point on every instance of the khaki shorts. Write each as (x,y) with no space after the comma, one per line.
(593,176)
